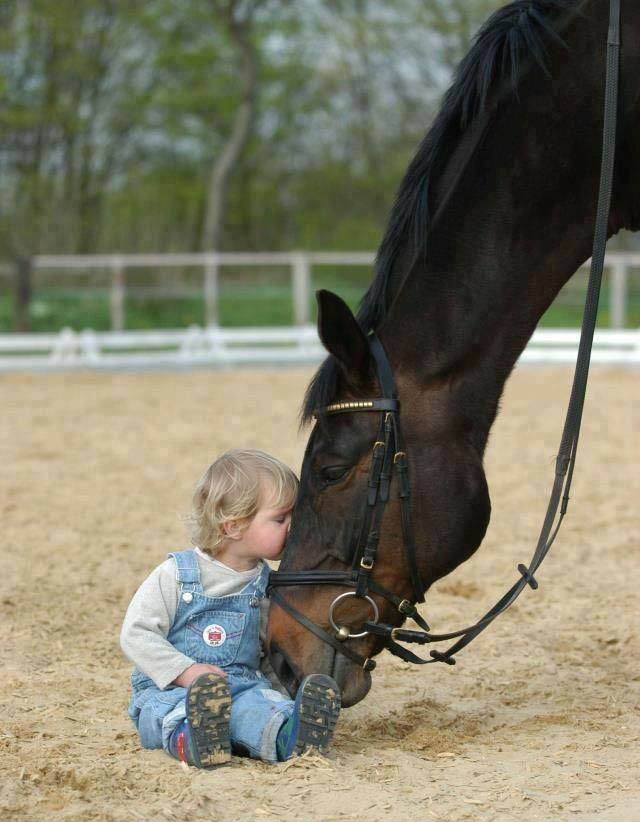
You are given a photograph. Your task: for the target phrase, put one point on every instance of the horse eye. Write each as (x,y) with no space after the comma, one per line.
(332,473)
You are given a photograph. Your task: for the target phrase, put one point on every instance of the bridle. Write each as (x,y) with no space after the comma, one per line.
(389,457)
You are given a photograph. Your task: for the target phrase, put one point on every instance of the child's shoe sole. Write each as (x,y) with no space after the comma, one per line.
(208,705)
(317,710)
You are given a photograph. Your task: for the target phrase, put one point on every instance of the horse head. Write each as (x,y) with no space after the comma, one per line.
(334,521)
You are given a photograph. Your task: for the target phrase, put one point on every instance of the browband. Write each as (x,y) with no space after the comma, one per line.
(380,404)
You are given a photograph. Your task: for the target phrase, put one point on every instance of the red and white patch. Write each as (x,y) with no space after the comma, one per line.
(214,635)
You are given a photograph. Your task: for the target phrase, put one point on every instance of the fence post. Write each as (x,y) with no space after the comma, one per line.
(117,295)
(618,294)
(300,283)
(24,271)
(211,289)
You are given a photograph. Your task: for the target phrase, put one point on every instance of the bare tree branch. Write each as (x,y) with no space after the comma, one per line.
(243,120)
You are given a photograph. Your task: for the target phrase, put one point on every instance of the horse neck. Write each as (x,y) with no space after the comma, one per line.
(517,226)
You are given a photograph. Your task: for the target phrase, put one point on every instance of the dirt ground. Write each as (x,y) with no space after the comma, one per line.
(539,720)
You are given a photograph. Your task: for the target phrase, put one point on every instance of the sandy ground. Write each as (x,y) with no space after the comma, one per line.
(539,720)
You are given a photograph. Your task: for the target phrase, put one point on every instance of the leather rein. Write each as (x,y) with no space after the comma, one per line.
(389,457)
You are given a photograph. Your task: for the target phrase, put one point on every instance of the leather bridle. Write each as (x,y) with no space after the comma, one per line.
(389,457)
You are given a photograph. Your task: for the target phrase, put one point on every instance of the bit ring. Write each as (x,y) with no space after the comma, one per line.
(376,613)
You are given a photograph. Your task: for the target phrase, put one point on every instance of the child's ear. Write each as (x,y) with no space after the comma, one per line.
(232,529)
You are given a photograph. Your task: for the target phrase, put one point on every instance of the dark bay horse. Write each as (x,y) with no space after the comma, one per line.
(494,215)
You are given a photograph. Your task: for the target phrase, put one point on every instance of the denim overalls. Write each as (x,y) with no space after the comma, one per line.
(222,631)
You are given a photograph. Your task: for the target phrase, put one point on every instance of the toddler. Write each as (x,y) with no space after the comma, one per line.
(193,629)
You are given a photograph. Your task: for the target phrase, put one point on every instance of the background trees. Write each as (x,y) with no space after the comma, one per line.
(214,123)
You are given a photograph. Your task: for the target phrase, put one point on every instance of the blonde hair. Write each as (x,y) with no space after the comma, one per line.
(232,489)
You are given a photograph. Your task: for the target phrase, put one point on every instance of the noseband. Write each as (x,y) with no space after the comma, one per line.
(389,457)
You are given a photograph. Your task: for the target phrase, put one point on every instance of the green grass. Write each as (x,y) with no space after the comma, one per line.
(570,316)
(256,304)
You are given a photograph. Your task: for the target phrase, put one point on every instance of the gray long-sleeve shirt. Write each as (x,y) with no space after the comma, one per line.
(151,612)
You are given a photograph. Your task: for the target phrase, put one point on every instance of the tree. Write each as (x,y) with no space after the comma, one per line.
(237,18)
(214,123)
(73,81)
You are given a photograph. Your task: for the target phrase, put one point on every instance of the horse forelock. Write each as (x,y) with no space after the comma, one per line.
(321,390)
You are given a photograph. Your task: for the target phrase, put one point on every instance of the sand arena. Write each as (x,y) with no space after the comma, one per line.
(539,720)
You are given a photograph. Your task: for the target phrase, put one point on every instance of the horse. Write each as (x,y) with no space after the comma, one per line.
(495,213)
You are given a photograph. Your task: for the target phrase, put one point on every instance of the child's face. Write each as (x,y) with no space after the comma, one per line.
(267,533)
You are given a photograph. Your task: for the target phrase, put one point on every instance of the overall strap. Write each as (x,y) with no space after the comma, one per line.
(260,582)
(187,570)
(263,580)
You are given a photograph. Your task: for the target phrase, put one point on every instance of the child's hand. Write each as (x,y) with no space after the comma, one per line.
(194,671)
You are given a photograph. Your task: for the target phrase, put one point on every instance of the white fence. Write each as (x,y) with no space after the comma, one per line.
(300,264)
(221,347)
(218,346)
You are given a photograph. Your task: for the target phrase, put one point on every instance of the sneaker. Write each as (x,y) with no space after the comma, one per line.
(314,718)
(202,739)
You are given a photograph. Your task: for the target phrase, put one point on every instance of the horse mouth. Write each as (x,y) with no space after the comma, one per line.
(354,683)
(284,670)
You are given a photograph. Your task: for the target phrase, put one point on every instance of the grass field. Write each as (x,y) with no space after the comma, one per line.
(245,303)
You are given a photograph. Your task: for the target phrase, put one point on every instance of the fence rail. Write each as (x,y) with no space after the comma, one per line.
(300,264)
(215,346)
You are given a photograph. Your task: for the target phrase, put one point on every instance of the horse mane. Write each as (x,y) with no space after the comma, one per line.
(512,34)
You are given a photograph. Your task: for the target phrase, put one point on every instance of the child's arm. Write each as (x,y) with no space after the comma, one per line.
(146,626)
(194,671)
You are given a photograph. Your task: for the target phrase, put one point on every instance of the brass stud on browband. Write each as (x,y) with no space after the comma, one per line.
(345,406)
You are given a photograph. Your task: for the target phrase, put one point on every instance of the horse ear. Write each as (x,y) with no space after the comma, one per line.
(342,336)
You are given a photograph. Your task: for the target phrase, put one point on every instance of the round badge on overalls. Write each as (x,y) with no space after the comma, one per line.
(214,635)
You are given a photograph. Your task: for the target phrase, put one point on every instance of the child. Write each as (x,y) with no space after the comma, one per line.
(192,629)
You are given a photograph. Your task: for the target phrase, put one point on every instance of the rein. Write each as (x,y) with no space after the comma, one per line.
(389,456)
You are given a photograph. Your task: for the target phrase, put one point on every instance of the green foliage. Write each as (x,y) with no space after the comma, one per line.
(113,114)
